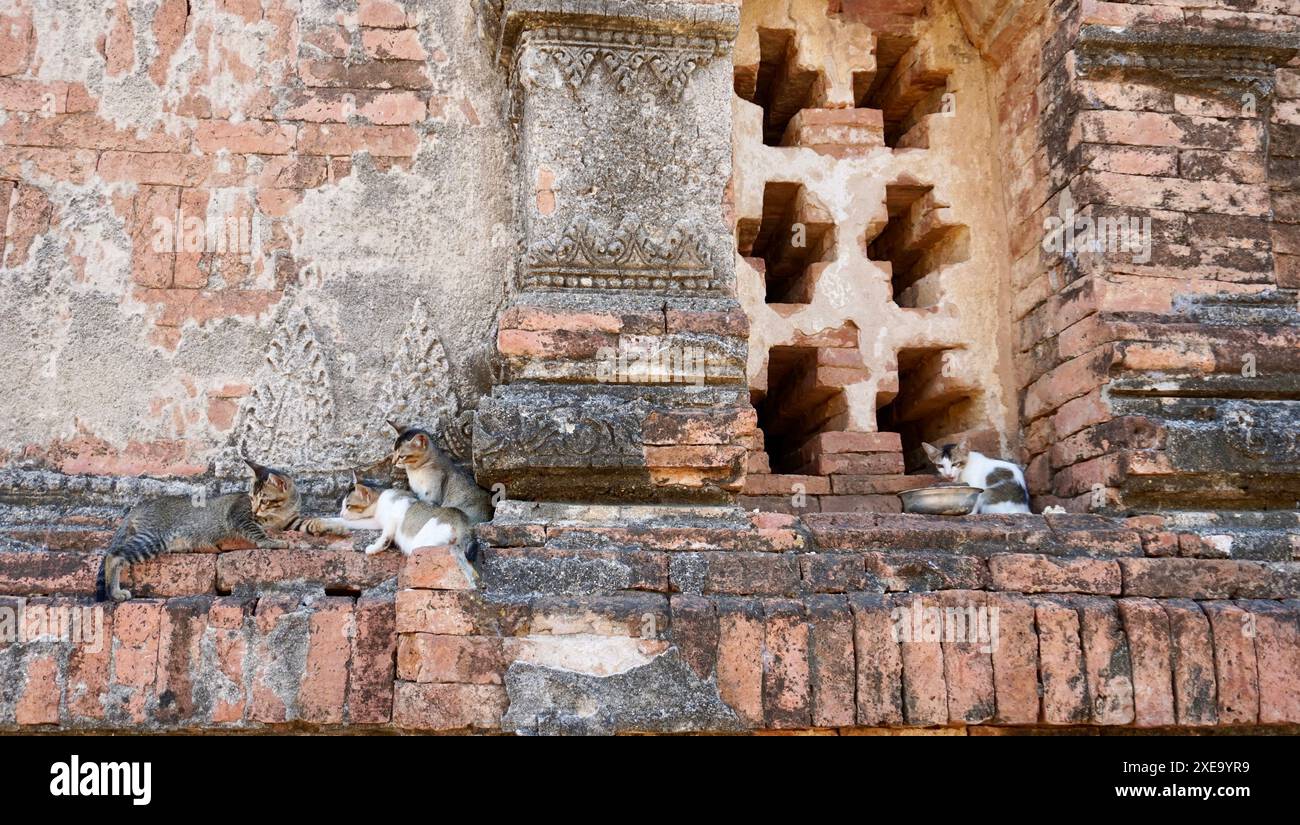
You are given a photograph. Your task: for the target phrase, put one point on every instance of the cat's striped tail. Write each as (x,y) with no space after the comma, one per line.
(101,587)
(140,547)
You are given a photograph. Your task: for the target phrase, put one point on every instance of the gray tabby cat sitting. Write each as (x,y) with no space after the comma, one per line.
(436,479)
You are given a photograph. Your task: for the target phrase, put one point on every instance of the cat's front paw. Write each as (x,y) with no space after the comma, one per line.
(274,544)
(376,547)
(121,595)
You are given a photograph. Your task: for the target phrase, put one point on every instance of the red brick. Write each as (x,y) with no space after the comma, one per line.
(731,324)
(172,574)
(135,657)
(16,43)
(345,139)
(921,571)
(433,568)
(392,45)
(329,568)
(861,504)
(251,137)
(786,688)
(1147,628)
(38,702)
(1192,654)
(89,672)
(324,684)
(370,74)
(1192,578)
(266,702)
(879,662)
(878,484)
(1049,574)
(1159,129)
(381,14)
(695,632)
(443,612)
(180,658)
(34,572)
(832,674)
(424,657)
(967,660)
(29,217)
(1106,662)
(925,692)
(855,442)
(835,573)
(1060,664)
(228,629)
(1277,640)
(370,688)
(740,657)
(786,485)
(857,464)
(87,130)
(738,573)
(1015,661)
(418,706)
(1236,673)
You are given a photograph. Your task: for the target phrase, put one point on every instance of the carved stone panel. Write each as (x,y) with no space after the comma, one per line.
(626,273)
(625,144)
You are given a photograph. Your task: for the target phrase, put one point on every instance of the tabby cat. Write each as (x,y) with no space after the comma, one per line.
(1003,482)
(435,478)
(172,524)
(276,505)
(404,519)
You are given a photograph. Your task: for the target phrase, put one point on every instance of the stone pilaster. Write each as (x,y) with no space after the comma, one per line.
(623,348)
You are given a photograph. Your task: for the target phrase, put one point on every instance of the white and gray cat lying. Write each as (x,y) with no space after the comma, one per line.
(1003,482)
(402,519)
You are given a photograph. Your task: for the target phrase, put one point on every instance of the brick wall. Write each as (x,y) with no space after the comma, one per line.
(1131,364)
(830,623)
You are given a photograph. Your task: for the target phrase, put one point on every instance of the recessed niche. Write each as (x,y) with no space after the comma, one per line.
(929,402)
(804,396)
(794,234)
(780,86)
(917,242)
(905,88)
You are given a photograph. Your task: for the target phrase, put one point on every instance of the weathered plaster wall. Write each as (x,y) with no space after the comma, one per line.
(364,146)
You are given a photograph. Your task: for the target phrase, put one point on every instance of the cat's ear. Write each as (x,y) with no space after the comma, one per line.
(259,472)
(421,441)
(960,452)
(933,453)
(278,481)
(398,427)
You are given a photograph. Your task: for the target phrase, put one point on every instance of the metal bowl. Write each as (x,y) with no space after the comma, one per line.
(951,500)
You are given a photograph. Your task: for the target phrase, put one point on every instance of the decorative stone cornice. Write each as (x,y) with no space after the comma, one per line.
(1243,56)
(666,58)
(661,42)
(631,256)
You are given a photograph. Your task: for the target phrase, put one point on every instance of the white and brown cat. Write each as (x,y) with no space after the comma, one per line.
(1003,482)
(403,519)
